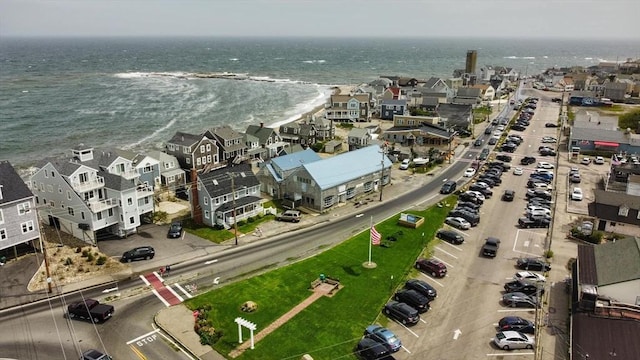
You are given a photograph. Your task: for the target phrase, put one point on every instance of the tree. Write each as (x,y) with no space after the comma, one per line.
(630,120)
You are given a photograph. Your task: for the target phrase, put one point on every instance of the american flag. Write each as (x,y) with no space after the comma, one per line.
(375,236)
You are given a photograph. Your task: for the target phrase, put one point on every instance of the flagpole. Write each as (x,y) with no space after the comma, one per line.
(370,227)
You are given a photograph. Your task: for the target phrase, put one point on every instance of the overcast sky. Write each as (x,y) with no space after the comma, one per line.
(327,18)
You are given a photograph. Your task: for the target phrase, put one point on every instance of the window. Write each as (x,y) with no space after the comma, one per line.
(217,201)
(59,190)
(27,226)
(99,216)
(68,195)
(82,214)
(185,149)
(198,162)
(83,178)
(1,217)
(328,201)
(206,214)
(120,168)
(188,160)
(110,213)
(70,211)
(147,169)
(3,234)
(46,173)
(368,186)
(24,208)
(132,220)
(208,147)
(208,158)
(129,201)
(623,211)
(206,201)
(42,187)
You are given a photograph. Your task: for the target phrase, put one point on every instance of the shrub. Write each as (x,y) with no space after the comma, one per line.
(85,253)
(90,257)
(68,261)
(548,254)
(160,216)
(251,220)
(101,260)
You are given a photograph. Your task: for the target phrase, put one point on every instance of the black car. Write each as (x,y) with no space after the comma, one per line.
(518,299)
(491,181)
(547,152)
(421,287)
(540,201)
(472,218)
(139,253)
(516,323)
(533,264)
(492,141)
(450,236)
(401,312)
(517,127)
(508,195)
(488,130)
(499,164)
(462,208)
(448,187)
(509,147)
(505,158)
(413,299)
(94,354)
(534,223)
(484,154)
(531,193)
(175,230)
(470,198)
(478,142)
(528,160)
(369,349)
(525,287)
(469,205)
(551,125)
(485,191)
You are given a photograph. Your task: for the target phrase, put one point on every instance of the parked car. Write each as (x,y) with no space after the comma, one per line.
(478,142)
(545,165)
(508,195)
(432,266)
(549,140)
(576,194)
(414,299)
(401,312)
(450,236)
(527,160)
(370,349)
(422,287)
(508,340)
(405,164)
(493,140)
(525,287)
(585,161)
(484,154)
(508,147)
(469,205)
(490,247)
(469,172)
(575,178)
(470,198)
(139,253)
(533,222)
(529,275)
(175,230)
(486,191)
(517,127)
(545,194)
(518,171)
(516,323)
(505,158)
(383,336)
(533,264)
(599,160)
(517,299)
(547,152)
(290,215)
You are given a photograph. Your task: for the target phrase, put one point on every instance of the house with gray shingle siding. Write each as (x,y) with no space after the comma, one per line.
(231,147)
(349,108)
(227,195)
(617,212)
(390,108)
(468,96)
(18,215)
(172,176)
(194,152)
(275,171)
(267,139)
(358,138)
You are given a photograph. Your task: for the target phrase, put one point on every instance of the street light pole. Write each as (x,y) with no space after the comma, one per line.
(381,171)
(233,197)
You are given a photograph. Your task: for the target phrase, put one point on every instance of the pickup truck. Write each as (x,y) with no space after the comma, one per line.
(490,247)
(91,310)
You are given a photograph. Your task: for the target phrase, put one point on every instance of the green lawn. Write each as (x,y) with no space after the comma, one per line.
(330,327)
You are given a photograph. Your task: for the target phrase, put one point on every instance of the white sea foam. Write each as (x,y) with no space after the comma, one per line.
(324,92)
(150,136)
(234,59)
(314,61)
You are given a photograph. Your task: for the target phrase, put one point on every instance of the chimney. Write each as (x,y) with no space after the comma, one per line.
(196,210)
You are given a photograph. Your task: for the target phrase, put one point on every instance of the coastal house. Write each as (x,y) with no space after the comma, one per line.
(298,133)
(172,176)
(418,131)
(615,91)
(407,82)
(231,147)
(358,138)
(275,171)
(468,96)
(18,216)
(148,170)
(349,108)
(194,152)
(487,92)
(380,85)
(392,93)
(430,104)
(227,195)
(592,132)
(618,212)
(92,194)
(323,129)
(389,108)
(263,138)
(605,304)
(317,186)
(456,116)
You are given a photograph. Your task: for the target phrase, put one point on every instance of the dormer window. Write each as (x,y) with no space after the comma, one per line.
(623,211)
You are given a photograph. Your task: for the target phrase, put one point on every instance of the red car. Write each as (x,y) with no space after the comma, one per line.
(432,266)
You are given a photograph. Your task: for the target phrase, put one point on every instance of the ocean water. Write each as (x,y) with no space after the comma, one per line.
(135,93)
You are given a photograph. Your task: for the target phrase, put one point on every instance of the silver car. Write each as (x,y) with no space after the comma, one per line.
(507,340)
(458,222)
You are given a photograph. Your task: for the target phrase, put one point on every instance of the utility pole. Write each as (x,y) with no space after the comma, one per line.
(381,171)
(43,248)
(233,197)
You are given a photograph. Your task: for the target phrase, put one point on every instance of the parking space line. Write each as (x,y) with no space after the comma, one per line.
(406,328)
(526,242)
(514,309)
(457,247)
(405,349)
(448,265)
(432,279)
(453,256)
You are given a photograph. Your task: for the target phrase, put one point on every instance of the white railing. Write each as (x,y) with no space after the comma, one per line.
(143,191)
(130,174)
(83,186)
(99,205)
